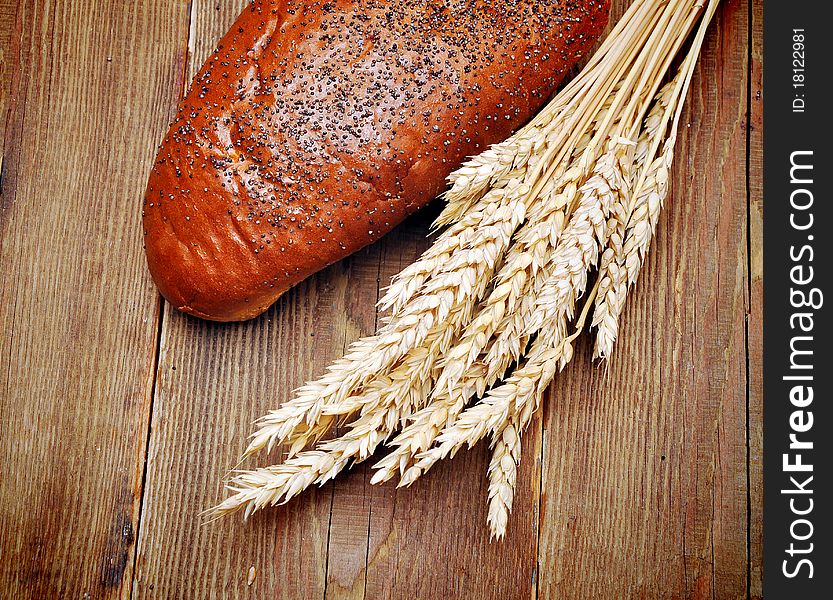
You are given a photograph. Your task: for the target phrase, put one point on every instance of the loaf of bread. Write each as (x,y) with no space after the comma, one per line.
(317,126)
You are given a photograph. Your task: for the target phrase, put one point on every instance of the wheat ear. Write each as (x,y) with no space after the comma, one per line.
(446,301)
(623,259)
(388,400)
(503,475)
(612,272)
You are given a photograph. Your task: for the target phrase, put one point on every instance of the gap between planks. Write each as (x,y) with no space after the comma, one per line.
(160,322)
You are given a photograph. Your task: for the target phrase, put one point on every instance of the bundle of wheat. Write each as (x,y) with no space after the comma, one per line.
(479,326)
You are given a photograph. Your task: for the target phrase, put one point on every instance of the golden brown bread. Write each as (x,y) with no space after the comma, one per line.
(316,127)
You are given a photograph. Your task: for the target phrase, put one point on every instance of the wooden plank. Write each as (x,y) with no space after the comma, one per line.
(8,62)
(756,297)
(76,396)
(359,507)
(213,381)
(430,540)
(645,491)
(90,87)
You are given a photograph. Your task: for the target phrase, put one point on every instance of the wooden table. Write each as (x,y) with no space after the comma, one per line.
(120,416)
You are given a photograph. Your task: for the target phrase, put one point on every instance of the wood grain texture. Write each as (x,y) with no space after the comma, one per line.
(213,381)
(89,90)
(755,329)
(8,64)
(645,460)
(641,479)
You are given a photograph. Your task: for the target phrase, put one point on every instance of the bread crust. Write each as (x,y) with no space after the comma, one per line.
(316,127)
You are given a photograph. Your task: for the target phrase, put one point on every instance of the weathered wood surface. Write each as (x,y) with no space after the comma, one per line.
(90,87)
(120,416)
(755,343)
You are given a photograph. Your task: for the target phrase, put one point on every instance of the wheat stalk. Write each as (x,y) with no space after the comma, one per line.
(502,470)
(556,297)
(555,192)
